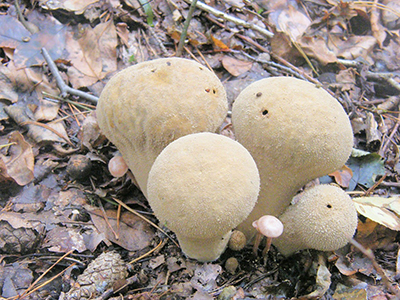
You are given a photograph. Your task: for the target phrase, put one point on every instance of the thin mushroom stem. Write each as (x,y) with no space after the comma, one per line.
(257,242)
(267,247)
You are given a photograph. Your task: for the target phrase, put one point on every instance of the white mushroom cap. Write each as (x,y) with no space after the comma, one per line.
(146,106)
(323,218)
(269,226)
(296,132)
(117,166)
(201,186)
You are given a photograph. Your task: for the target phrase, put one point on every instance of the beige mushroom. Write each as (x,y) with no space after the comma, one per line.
(295,132)
(201,186)
(145,107)
(117,166)
(270,227)
(322,218)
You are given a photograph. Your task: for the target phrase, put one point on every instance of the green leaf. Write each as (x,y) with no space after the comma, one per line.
(366,168)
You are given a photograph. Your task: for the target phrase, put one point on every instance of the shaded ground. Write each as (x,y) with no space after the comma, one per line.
(61,206)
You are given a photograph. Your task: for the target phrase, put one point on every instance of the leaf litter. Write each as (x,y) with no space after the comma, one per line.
(55,227)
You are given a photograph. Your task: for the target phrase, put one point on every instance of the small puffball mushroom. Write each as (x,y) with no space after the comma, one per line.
(237,241)
(117,166)
(323,218)
(201,186)
(296,132)
(270,227)
(145,107)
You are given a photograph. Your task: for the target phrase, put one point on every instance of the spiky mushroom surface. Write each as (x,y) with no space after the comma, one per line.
(296,132)
(145,107)
(323,218)
(201,186)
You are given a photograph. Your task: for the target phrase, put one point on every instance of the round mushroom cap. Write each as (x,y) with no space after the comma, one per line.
(203,185)
(323,218)
(146,106)
(269,226)
(294,121)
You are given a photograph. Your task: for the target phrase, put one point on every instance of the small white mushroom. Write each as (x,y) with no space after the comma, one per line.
(201,186)
(270,227)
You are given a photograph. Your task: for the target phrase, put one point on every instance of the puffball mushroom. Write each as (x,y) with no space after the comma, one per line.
(145,107)
(296,132)
(323,218)
(201,186)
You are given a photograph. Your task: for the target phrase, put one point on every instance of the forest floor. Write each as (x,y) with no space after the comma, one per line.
(70,230)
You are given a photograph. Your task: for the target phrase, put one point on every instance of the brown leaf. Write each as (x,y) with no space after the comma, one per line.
(343,176)
(134,234)
(236,67)
(20,161)
(51,35)
(218,44)
(12,32)
(93,54)
(61,239)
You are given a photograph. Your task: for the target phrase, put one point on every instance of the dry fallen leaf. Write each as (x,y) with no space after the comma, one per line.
(19,162)
(384,211)
(236,67)
(343,176)
(92,54)
(134,234)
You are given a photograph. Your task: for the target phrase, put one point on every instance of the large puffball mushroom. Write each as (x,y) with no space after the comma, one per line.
(201,186)
(145,107)
(295,132)
(322,218)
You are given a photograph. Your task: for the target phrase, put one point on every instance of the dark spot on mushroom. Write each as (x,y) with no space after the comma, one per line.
(168,63)
(259,94)
(214,91)
(329,206)
(265,112)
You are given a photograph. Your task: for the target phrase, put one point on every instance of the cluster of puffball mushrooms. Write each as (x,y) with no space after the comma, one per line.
(163,116)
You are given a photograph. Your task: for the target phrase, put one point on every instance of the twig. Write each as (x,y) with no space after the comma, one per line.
(160,43)
(185,28)
(388,77)
(64,88)
(147,253)
(370,255)
(44,273)
(237,21)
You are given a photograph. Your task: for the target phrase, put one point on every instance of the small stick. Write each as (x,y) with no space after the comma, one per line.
(64,88)
(370,255)
(237,21)
(185,28)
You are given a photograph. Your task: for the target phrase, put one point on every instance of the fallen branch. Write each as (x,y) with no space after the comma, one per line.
(64,88)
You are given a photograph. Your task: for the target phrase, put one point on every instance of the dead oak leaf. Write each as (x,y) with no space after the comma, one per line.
(19,162)
(236,67)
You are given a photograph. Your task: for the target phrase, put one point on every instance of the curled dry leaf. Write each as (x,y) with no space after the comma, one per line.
(384,211)
(39,132)
(19,162)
